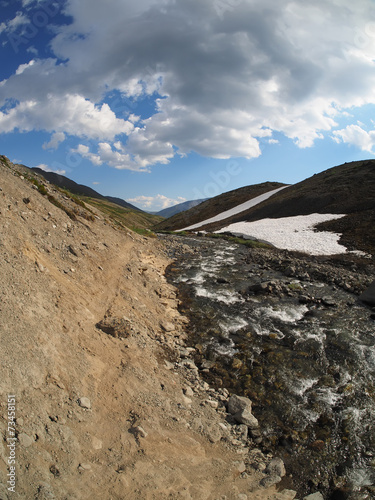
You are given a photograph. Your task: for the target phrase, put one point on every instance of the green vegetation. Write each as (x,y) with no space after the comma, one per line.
(239,241)
(121,217)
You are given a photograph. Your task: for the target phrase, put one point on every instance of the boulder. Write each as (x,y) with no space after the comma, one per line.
(238,403)
(368,296)
(247,418)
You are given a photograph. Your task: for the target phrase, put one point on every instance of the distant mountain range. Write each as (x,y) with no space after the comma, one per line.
(346,189)
(181,207)
(79,189)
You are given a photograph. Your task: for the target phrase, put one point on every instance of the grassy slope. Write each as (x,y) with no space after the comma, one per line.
(345,189)
(215,206)
(124,217)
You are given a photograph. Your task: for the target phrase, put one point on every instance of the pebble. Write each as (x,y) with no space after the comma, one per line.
(25,440)
(84,403)
(314,496)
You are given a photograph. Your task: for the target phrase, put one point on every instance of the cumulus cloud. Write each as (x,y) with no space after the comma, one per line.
(55,140)
(356,136)
(156,203)
(71,114)
(46,168)
(225,77)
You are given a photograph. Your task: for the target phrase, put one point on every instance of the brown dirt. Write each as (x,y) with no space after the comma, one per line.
(142,438)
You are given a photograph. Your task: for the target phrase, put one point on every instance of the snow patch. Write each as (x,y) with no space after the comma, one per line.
(235,210)
(292,233)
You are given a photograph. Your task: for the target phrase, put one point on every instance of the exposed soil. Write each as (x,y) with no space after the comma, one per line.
(107,404)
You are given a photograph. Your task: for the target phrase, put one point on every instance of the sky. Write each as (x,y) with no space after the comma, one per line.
(162,101)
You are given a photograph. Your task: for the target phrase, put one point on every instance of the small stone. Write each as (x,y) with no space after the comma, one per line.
(314,496)
(242,496)
(276,467)
(167,326)
(140,431)
(97,444)
(84,467)
(213,404)
(268,481)
(84,403)
(240,466)
(286,495)
(188,391)
(25,440)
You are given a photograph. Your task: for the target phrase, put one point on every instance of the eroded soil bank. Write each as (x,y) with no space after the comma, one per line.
(108,403)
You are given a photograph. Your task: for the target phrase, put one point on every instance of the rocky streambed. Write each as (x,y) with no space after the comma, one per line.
(289,332)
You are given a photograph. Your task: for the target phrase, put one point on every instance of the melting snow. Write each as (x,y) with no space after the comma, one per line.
(235,210)
(292,233)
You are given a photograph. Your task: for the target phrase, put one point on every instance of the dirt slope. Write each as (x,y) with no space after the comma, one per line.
(107,404)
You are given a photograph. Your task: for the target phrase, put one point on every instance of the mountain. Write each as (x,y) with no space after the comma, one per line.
(345,189)
(215,206)
(79,189)
(181,207)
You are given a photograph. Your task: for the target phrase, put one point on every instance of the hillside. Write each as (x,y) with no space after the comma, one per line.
(78,196)
(216,205)
(345,189)
(79,189)
(108,402)
(180,207)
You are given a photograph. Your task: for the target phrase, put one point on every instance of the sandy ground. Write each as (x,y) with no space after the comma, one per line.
(91,347)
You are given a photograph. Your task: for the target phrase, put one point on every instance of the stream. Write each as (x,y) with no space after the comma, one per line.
(279,330)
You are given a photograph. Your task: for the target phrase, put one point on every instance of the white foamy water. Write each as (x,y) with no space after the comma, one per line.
(231,325)
(222,296)
(300,386)
(288,314)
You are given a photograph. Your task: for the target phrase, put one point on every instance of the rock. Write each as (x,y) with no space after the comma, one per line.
(247,418)
(25,440)
(84,403)
(238,403)
(97,444)
(188,391)
(140,432)
(167,326)
(286,495)
(73,250)
(368,296)
(240,466)
(259,287)
(84,467)
(116,327)
(268,481)
(276,467)
(314,496)
(213,433)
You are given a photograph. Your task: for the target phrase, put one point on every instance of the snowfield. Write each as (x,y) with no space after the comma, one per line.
(235,210)
(292,233)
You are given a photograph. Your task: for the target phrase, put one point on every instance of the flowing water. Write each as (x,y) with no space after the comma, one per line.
(308,364)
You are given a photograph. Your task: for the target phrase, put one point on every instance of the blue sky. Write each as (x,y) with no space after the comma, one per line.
(162,101)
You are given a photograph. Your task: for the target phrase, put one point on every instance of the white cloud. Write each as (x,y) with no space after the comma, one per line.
(71,114)
(56,139)
(225,80)
(46,168)
(356,136)
(156,203)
